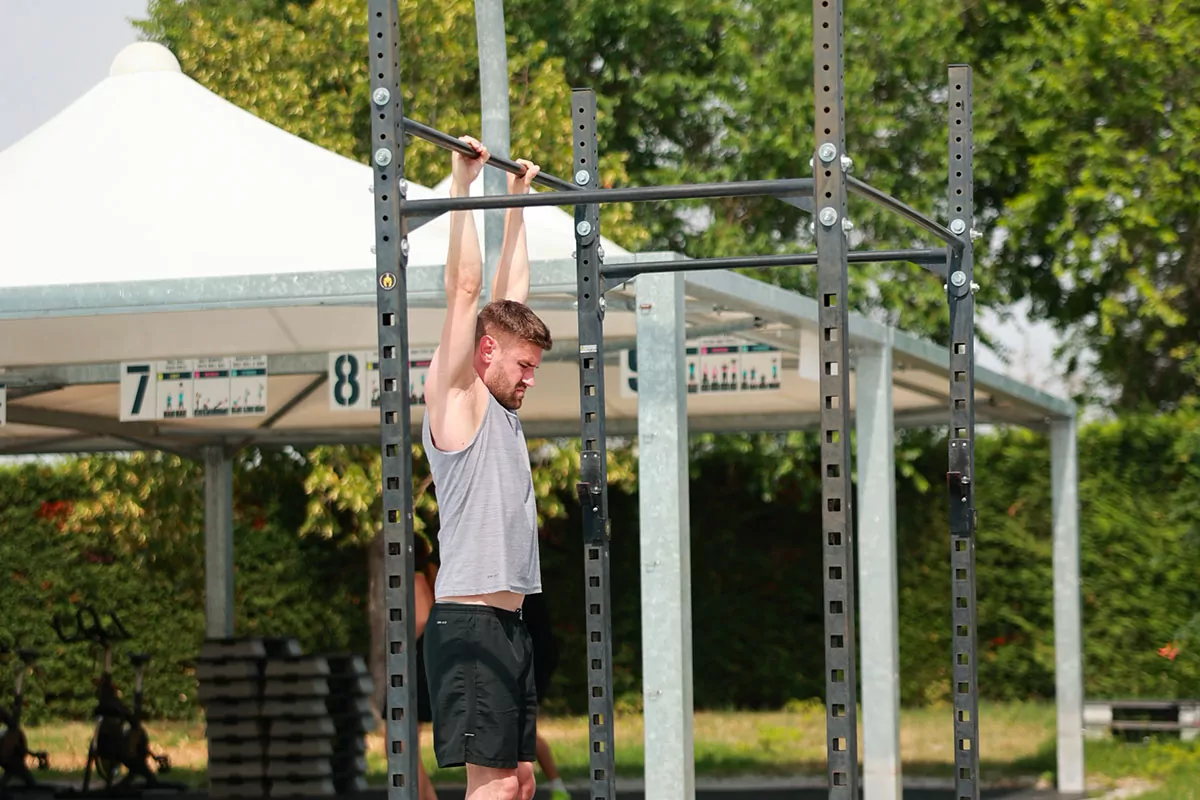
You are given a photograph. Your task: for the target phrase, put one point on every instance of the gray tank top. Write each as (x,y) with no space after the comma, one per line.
(488,536)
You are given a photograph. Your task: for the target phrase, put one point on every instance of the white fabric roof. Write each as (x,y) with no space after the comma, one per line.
(150,175)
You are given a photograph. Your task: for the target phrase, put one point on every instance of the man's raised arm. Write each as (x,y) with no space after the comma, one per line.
(453,367)
(512,270)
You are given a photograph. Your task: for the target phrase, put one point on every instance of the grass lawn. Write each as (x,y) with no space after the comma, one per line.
(1016,740)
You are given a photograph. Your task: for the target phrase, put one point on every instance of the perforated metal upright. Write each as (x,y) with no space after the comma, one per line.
(960,479)
(829,199)
(391,262)
(593,468)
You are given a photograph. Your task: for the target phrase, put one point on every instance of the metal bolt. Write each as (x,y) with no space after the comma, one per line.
(957,226)
(582,177)
(974,287)
(381,96)
(847,163)
(958,277)
(583,228)
(403,186)
(603,303)
(600,252)
(383,156)
(828,216)
(976,235)
(847,225)
(404,247)
(827,152)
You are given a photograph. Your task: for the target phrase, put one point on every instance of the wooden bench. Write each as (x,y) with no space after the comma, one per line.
(1103,718)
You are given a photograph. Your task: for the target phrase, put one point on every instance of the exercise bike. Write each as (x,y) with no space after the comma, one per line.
(14,747)
(120,741)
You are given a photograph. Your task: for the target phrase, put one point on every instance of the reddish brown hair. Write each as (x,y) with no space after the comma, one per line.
(508,317)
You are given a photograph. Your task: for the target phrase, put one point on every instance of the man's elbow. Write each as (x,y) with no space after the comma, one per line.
(464,289)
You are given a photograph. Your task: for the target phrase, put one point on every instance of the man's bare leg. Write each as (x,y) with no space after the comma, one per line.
(425,790)
(489,783)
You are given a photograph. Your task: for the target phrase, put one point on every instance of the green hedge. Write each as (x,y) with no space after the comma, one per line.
(127,534)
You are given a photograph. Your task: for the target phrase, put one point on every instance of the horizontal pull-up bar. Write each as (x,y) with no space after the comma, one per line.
(637,194)
(930,259)
(445,140)
(887,201)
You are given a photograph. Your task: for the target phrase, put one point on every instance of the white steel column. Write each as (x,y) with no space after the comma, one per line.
(665,548)
(877,583)
(1068,612)
(218,543)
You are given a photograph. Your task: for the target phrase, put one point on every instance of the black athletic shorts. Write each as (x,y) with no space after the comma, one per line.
(479,662)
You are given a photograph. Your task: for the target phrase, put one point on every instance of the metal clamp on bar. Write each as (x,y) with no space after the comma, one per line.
(958,486)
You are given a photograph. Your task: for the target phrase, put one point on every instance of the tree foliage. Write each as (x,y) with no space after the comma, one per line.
(1090,121)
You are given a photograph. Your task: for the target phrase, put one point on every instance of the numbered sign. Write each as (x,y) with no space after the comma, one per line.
(218,386)
(3,405)
(717,365)
(139,391)
(348,382)
(354,381)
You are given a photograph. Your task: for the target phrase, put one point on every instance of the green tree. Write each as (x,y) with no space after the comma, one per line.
(1093,179)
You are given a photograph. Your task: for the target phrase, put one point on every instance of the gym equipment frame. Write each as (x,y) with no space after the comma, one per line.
(828,188)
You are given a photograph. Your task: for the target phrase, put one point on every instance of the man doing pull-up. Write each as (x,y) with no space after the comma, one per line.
(478,653)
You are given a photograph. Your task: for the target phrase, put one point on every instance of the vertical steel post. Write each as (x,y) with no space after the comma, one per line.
(593,457)
(665,537)
(218,543)
(960,480)
(495,125)
(391,262)
(1068,606)
(829,198)
(878,595)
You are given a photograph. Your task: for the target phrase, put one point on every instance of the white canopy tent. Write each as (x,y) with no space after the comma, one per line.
(153,221)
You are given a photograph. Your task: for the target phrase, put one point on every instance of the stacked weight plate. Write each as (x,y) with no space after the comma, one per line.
(349,704)
(281,723)
(300,742)
(231,675)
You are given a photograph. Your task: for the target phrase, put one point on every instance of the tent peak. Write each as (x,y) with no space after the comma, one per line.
(144,57)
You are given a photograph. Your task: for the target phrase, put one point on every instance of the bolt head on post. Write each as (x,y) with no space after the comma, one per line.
(583,228)
(847,164)
(383,156)
(847,224)
(958,278)
(827,152)
(828,216)
(957,226)
(582,177)
(381,96)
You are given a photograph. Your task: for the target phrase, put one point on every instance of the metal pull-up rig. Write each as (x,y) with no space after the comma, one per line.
(827,190)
